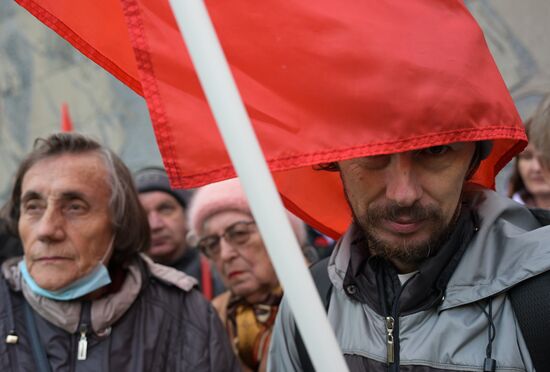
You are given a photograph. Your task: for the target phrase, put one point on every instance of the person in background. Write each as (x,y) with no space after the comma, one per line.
(527,183)
(83,298)
(323,244)
(223,228)
(166,212)
(540,135)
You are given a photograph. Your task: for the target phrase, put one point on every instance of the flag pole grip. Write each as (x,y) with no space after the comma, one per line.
(265,203)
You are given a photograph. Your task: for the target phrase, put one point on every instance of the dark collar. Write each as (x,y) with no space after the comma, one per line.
(189,262)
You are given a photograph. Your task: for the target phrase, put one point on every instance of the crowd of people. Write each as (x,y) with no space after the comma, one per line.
(98,262)
(105,270)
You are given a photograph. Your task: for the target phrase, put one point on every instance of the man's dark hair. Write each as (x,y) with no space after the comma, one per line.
(129,220)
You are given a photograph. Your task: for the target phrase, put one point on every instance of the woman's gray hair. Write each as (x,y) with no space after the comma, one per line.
(129,220)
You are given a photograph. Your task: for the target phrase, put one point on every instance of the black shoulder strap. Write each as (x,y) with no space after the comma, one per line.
(319,272)
(531,302)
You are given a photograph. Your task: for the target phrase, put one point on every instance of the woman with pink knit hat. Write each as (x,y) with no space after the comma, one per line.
(223,228)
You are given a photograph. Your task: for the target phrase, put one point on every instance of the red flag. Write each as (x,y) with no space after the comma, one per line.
(322,81)
(66,122)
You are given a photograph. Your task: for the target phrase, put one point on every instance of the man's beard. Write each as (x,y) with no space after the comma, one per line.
(406,252)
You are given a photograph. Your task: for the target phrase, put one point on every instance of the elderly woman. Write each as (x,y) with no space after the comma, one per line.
(83,298)
(223,228)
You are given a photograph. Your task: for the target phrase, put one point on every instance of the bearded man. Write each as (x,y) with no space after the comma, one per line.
(421,277)
(431,273)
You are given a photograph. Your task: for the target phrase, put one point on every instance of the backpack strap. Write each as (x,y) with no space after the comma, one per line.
(319,272)
(531,302)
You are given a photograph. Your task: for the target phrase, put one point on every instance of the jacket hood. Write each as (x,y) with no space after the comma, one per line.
(508,249)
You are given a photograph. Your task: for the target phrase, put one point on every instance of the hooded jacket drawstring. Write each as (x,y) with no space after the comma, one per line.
(489,364)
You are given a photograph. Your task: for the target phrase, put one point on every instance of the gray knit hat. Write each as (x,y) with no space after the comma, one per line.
(156,179)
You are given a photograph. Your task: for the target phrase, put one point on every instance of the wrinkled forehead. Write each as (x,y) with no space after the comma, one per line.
(85,174)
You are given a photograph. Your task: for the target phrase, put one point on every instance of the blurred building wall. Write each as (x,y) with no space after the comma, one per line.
(39,71)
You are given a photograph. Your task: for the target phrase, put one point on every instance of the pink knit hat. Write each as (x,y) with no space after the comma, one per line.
(223,196)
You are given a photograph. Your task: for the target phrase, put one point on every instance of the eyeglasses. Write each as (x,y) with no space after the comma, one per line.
(236,234)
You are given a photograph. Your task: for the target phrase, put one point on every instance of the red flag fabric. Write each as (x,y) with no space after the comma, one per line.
(66,122)
(322,81)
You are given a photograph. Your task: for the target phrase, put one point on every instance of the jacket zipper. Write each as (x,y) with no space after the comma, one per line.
(392,333)
(389,339)
(81,337)
(82,343)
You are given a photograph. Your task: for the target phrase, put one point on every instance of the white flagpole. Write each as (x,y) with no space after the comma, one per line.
(251,167)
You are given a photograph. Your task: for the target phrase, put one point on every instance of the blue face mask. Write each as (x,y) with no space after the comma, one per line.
(96,279)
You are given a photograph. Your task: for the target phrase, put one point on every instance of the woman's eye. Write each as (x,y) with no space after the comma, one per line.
(526,155)
(238,233)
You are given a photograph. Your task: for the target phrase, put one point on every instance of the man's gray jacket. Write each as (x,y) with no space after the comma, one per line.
(442,318)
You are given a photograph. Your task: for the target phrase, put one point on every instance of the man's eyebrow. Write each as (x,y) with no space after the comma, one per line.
(165,204)
(30,195)
(71,195)
(67,195)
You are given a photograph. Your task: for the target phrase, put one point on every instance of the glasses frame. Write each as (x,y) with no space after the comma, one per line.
(208,252)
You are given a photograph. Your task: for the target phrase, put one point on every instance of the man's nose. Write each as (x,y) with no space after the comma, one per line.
(155,221)
(402,184)
(51,225)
